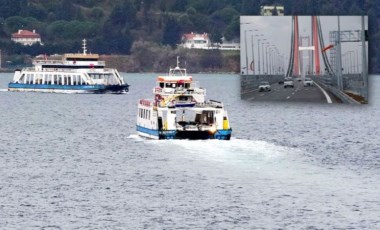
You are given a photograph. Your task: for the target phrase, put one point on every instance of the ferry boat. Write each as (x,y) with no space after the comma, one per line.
(75,73)
(179,111)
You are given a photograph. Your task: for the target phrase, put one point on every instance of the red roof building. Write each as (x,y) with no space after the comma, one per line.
(196,41)
(26,37)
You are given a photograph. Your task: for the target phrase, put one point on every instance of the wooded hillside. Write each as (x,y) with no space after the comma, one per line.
(112,26)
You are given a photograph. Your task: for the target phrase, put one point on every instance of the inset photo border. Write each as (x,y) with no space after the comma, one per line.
(320,59)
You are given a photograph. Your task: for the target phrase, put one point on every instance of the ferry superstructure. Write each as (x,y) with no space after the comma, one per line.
(179,111)
(75,73)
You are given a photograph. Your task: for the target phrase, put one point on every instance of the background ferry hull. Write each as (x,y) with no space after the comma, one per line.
(118,89)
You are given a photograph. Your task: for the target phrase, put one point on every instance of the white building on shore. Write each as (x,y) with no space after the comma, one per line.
(269,10)
(196,41)
(26,37)
(202,41)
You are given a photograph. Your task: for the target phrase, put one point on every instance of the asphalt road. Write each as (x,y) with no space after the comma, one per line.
(297,94)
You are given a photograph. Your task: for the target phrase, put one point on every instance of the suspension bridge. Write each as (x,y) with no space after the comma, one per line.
(338,77)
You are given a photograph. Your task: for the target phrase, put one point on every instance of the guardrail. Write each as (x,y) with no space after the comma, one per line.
(339,94)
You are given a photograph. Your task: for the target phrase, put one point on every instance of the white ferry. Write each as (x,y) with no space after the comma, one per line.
(179,111)
(75,73)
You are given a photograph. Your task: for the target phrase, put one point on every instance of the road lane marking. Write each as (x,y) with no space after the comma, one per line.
(328,99)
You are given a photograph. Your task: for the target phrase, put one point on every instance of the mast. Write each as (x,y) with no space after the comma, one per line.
(84,47)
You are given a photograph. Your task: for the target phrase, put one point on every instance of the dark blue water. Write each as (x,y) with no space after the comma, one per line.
(75,161)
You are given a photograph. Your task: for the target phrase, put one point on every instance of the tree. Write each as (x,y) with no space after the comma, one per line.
(233,29)
(13,24)
(185,23)
(180,5)
(10,8)
(65,11)
(225,15)
(123,15)
(171,32)
(250,7)
(97,13)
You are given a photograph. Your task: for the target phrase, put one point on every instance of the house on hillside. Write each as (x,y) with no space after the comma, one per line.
(196,41)
(202,41)
(271,10)
(26,37)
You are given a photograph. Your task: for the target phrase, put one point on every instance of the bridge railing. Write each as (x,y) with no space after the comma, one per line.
(328,83)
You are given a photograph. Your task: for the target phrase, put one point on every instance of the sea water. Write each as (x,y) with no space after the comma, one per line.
(75,161)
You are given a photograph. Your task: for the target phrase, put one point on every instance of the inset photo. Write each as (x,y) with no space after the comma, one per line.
(317,59)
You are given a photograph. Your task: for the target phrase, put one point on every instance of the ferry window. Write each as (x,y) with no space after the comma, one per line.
(22,78)
(167,85)
(187,85)
(162,84)
(60,80)
(30,79)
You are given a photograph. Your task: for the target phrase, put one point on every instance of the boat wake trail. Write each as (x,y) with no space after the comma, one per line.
(235,150)
(3,90)
(136,137)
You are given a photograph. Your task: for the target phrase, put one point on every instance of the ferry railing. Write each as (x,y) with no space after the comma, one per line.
(40,62)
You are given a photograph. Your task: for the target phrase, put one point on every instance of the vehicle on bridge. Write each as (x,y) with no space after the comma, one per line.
(264,86)
(288,82)
(308,82)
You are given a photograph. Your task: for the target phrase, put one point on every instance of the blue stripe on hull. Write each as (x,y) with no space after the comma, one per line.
(63,87)
(224,134)
(152,132)
(73,88)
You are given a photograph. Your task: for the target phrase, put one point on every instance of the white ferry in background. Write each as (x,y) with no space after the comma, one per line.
(179,111)
(75,73)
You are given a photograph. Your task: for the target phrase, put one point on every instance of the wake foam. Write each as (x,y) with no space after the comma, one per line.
(234,150)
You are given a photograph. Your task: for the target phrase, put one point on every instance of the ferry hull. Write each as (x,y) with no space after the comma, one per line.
(46,88)
(224,134)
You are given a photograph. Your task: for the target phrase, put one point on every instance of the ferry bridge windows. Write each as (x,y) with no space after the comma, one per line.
(170,85)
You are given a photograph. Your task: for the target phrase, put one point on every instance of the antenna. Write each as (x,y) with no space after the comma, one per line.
(178,61)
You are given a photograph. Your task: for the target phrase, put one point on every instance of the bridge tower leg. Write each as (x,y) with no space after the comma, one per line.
(296,67)
(317,63)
